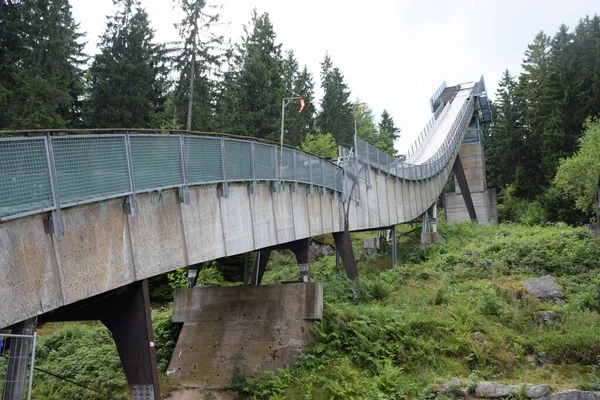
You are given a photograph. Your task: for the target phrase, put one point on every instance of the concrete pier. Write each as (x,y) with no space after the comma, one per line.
(241,330)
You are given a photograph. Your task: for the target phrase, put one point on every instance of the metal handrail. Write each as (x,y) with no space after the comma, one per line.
(36,176)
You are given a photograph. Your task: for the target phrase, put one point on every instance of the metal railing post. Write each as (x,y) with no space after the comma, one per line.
(295,161)
(224,190)
(185,193)
(131,204)
(55,225)
(310,175)
(32,365)
(324,187)
(254,185)
(278,171)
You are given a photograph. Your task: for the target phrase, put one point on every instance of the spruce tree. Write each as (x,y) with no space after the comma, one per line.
(197,58)
(40,65)
(336,115)
(299,124)
(127,80)
(388,132)
(259,84)
(504,150)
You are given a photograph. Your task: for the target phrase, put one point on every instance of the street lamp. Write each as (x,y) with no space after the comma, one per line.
(284,102)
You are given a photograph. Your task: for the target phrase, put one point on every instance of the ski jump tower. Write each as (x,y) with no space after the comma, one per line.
(471,169)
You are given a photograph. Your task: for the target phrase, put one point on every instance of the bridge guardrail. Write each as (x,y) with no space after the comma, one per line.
(49,172)
(377,159)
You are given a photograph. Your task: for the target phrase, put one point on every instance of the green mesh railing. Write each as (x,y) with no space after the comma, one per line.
(52,171)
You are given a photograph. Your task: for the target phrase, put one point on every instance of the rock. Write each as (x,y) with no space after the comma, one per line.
(372,245)
(454,389)
(327,250)
(548,318)
(544,288)
(316,251)
(490,390)
(479,337)
(573,395)
(535,392)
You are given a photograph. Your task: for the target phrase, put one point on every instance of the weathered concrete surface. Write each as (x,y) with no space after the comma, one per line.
(236,215)
(484,199)
(203,226)
(282,203)
(29,277)
(103,248)
(157,235)
(263,217)
(241,330)
(95,255)
(301,212)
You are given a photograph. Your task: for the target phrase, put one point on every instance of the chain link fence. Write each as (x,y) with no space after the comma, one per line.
(17,361)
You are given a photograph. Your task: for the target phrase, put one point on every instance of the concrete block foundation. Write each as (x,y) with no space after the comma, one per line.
(241,330)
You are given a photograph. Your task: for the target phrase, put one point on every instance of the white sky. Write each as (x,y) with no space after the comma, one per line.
(393,53)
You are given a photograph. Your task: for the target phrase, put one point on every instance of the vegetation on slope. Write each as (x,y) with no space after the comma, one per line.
(455,310)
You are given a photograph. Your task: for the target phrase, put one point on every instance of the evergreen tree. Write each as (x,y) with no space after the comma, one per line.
(537,113)
(40,65)
(127,80)
(336,114)
(299,124)
(197,59)
(388,132)
(227,107)
(503,143)
(290,73)
(259,83)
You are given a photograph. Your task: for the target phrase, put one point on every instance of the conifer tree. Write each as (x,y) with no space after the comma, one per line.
(388,132)
(259,83)
(197,58)
(127,80)
(336,115)
(40,65)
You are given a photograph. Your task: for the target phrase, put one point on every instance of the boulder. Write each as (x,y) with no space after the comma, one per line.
(548,318)
(535,392)
(545,289)
(491,390)
(574,395)
(316,251)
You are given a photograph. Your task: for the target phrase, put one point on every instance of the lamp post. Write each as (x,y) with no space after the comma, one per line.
(284,102)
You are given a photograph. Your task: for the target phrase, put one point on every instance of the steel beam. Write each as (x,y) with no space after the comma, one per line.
(343,243)
(459,172)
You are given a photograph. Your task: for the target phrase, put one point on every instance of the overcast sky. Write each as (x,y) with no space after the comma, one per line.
(394,54)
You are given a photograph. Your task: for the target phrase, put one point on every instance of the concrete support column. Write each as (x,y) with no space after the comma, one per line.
(130,322)
(18,360)
(459,173)
(434,217)
(343,244)
(126,313)
(262,258)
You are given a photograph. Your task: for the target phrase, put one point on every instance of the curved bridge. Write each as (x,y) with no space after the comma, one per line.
(84,213)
